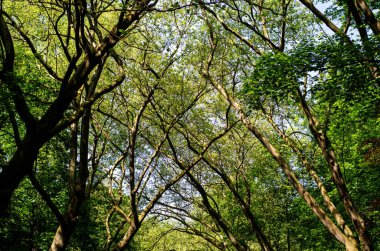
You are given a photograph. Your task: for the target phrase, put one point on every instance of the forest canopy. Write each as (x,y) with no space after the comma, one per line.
(189,125)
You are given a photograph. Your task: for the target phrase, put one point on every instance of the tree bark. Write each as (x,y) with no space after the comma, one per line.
(309,199)
(262,239)
(40,131)
(77,184)
(310,168)
(16,169)
(329,155)
(214,214)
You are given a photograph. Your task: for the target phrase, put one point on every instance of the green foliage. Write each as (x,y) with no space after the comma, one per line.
(335,78)
(338,82)
(158,235)
(336,71)
(275,76)
(29,224)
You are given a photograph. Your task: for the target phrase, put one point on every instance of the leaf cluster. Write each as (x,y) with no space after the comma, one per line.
(329,70)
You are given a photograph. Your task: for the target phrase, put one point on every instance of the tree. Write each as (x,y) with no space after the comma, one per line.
(221,123)
(276,85)
(85,53)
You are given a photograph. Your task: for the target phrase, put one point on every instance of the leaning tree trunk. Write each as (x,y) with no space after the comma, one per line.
(350,245)
(337,176)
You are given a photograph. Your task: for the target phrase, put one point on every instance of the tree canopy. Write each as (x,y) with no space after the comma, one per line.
(189,125)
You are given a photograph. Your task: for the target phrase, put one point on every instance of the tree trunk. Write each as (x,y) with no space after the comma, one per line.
(61,238)
(261,238)
(215,215)
(16,169)
(41,131)
(329,155)
(309,199)
(77,184)
(132,230)
(310,168)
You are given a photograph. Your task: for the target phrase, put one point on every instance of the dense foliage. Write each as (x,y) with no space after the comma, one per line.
(189,125)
